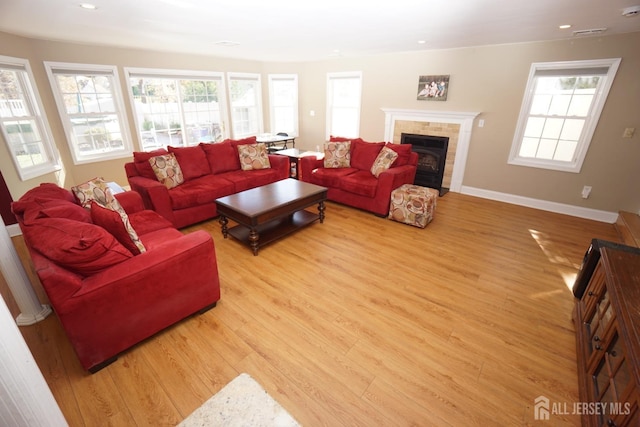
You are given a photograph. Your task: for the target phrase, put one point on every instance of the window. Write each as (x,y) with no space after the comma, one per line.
(246,104)
(560,111)
(177,108)
(23,122)
(283,103)
(89,101)
(343,104)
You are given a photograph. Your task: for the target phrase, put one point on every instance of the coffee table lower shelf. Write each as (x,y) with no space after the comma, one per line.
(275,229)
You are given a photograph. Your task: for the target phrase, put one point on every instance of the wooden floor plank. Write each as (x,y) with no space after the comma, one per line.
(361,321)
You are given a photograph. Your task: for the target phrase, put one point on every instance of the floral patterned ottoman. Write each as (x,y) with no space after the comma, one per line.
(413,205)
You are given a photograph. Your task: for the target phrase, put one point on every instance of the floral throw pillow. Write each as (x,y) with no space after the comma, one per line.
(253,156)
(95,189)
(337,154)
(383,161)
(167,170)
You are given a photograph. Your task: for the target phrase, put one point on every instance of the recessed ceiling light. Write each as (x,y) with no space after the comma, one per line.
(88,6)
(422,41)
(564,26)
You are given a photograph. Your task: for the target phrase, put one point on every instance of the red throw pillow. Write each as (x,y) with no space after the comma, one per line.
(47,191)
(118,225)
(82,248)
(363,154)
(141,161)
(192,160)
(221,156)
(404,152)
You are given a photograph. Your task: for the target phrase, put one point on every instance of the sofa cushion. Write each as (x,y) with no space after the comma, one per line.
(244,180)
(50,208)
(363,154)
(221,156)
(160,237)
(359,182)
(63,209)
(383,162)
(95,189)
(330,177)
(167,170)
(337,154)
(200,191)
(82,248)
(141,162)
(236,142)
(192,160)
(117,223)
(253,156)
(147,221)
(47,191)
(404,153)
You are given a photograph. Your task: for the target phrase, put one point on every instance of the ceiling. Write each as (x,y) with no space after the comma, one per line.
(299,30)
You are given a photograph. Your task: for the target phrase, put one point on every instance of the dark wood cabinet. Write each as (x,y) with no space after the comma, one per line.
(607,320)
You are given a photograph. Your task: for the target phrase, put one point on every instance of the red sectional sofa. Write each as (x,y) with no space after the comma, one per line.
(211,170)
(356,185)
(107,298)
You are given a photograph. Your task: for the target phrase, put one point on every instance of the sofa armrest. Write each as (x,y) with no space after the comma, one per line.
(393,178)
(154,195)
(307,165)
(281,164)
(131,201)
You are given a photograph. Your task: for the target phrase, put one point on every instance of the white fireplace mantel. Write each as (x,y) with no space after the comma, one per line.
(464,119)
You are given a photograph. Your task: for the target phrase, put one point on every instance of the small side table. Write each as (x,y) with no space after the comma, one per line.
(295,155)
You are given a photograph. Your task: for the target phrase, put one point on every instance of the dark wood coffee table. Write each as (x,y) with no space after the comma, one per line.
(267,213)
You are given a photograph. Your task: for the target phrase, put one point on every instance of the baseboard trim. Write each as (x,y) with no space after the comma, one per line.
(545,205)
(13,230)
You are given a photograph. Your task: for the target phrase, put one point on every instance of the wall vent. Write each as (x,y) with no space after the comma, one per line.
(589,32)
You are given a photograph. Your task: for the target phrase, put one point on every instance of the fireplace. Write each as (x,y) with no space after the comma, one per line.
(432,155)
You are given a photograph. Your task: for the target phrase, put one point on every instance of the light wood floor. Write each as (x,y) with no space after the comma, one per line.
(362,321)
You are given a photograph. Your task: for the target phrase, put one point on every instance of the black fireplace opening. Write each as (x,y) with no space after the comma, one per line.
(432,155)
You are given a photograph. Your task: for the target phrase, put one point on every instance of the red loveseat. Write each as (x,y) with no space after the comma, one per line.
(107,298)
(211,171)
(356,185)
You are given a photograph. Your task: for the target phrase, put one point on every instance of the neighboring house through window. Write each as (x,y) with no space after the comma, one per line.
(89,100)
(343,104)
(560,111)
(245,94)
(177,108)
(24,124)
(283,103)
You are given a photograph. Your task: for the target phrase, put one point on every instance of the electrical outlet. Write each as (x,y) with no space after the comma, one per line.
(628,133)
(586,191)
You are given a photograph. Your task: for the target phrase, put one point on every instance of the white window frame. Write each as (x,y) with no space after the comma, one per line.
(123,123)
(51,161)
(231,77)
(273,81)
(591,120)
(131,72)
(331,78)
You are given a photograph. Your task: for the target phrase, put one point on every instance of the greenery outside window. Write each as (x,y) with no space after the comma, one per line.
(283,103)
(343,104)
(560,111)
(24,124)
(245,93)
(89,101)
(177,108)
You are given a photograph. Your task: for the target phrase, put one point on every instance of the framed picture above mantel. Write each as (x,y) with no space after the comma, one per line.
(433,88)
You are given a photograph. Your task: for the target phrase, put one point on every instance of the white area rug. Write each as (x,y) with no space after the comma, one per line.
(242,403)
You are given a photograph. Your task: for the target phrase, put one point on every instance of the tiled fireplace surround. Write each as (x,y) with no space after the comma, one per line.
(455,125)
